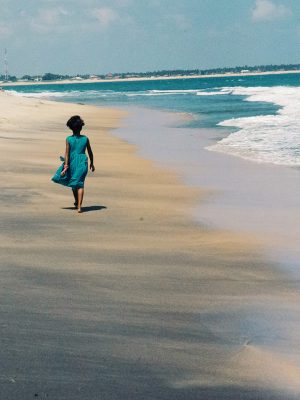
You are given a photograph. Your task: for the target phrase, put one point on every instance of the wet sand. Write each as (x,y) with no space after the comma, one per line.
(131,299)
(241,195)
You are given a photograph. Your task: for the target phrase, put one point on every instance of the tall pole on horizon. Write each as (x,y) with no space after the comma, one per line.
(5,65)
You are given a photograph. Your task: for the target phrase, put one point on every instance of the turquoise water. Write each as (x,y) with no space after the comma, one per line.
(261,113)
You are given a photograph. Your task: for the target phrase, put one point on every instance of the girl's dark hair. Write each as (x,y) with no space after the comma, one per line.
(75,122)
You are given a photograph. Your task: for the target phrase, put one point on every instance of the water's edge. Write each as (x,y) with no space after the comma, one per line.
(244,196)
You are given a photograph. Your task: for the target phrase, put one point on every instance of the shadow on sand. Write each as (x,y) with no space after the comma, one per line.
(86,209)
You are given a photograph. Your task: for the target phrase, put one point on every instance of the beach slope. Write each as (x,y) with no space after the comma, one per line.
(130,299)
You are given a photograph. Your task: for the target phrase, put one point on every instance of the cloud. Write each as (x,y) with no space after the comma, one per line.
(48,19)
(105,16)
(5,30)
(267,10)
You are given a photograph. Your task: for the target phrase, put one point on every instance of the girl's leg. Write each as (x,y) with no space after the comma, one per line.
(80,198)
(75,194)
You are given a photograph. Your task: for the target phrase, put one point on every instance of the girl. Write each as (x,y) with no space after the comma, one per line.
(73,171)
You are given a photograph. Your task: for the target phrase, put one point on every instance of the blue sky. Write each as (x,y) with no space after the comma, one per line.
(100,36)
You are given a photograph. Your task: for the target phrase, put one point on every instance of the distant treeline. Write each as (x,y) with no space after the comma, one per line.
(10,78)
(226,70)
(162,73)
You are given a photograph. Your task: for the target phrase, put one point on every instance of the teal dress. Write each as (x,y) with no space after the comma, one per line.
(78,164)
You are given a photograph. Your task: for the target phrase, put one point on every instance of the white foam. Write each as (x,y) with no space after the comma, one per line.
(136,94)
(70,94)
(103,93)
(196,92)
(46,94)
(203,93)
(106,93)
(175,91)
(266,138)
(163,92)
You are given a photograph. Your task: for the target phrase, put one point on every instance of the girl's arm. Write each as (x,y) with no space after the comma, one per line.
(91,156)
(66,166)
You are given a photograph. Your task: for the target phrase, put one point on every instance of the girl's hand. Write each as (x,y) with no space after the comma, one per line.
(92,168)
(63,172)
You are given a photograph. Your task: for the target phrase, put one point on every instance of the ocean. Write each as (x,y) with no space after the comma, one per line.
(259,115)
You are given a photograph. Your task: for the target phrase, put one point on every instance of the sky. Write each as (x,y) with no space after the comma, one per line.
(101,36)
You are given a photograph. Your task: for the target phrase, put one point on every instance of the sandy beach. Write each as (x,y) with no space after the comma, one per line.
(132,299)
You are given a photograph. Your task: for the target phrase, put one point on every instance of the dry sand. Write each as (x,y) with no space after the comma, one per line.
(131,299)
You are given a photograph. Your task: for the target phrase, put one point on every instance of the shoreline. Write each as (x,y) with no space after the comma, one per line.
(66,82)
(132,290)
(246,198)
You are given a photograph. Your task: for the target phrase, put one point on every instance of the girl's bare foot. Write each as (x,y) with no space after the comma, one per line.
(79,210)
